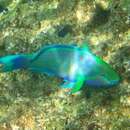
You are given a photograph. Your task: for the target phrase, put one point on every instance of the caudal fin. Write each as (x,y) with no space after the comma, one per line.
(13,62)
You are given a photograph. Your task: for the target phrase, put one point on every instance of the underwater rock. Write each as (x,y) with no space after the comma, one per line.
(100,17)
(34,101)
(3,9)
(64,30)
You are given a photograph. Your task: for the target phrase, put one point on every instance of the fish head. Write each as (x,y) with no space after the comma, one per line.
(111,76)
(103,80)
(108,73)
(102,75)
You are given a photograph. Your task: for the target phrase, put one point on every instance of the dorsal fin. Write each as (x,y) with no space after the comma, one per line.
(47,47)
(85,46)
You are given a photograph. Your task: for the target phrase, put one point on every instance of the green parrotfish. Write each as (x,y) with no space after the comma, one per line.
(76,65)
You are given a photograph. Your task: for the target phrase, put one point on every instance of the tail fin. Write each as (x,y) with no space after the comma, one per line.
(13,62)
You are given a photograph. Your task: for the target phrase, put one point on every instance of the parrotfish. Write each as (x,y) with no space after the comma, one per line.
(76,65)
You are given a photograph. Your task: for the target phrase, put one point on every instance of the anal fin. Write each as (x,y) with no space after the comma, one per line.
(68,84)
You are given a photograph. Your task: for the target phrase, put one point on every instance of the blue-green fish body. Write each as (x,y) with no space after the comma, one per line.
(76,65)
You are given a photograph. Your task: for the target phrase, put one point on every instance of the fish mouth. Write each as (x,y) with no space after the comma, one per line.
(114,82)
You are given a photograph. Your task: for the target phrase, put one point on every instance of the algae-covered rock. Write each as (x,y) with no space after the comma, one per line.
(31,101)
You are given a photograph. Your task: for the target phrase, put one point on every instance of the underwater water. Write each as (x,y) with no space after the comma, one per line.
(34,101)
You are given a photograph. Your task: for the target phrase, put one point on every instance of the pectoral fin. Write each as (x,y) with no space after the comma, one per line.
(78,84)
(74,86)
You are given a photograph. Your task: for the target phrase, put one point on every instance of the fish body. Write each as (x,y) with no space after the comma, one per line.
(76,65)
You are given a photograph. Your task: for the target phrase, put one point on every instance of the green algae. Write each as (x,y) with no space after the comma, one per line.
(35,101)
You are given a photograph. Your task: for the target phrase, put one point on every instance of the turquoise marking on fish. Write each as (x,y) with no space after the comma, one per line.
(76,65)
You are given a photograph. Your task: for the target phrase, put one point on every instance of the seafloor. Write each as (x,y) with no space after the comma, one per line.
(30,101)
